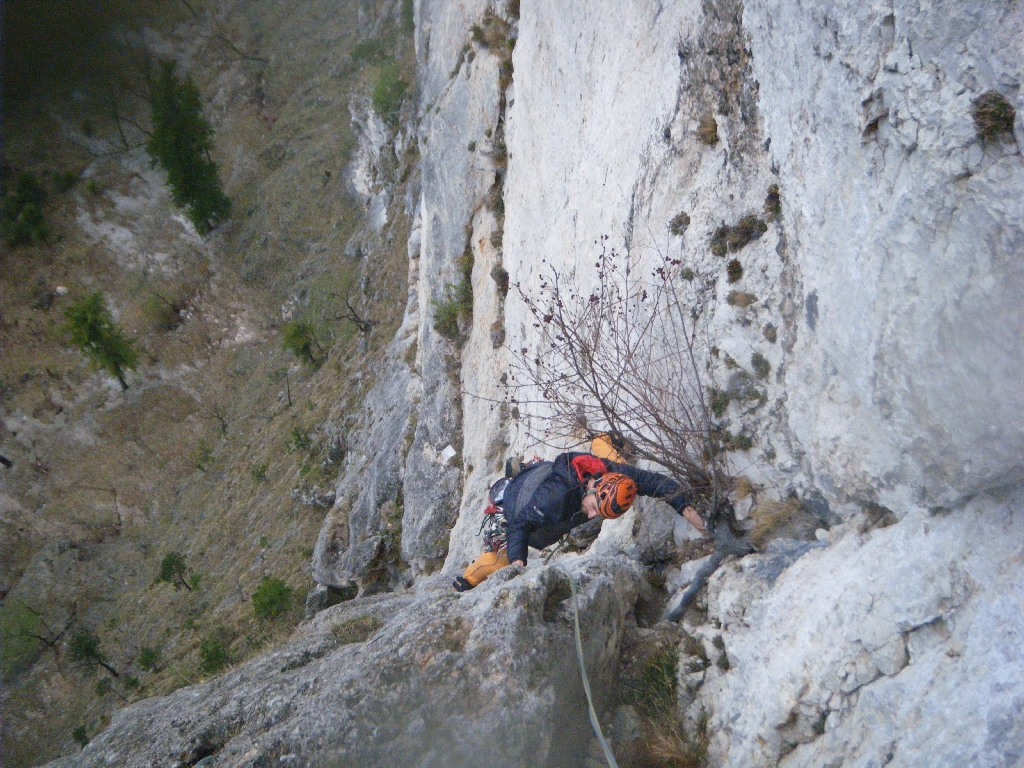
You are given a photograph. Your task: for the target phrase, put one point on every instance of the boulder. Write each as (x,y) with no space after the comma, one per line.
(425,678)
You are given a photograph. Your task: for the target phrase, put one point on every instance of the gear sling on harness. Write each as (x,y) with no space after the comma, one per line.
(506,499)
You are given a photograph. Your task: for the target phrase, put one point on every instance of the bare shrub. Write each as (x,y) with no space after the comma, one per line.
(627,358)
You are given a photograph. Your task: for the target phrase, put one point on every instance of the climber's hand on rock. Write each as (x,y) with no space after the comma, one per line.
(694,519)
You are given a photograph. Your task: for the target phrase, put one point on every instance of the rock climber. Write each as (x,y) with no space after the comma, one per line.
(544,500)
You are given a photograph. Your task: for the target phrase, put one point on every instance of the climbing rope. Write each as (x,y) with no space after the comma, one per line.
(583,671)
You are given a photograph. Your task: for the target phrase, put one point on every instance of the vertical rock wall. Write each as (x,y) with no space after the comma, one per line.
(873,357)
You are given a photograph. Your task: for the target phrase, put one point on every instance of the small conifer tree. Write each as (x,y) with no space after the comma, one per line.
(181,142)
(85,648)
(299,337)
(21,212)
(174,571)
(93,330)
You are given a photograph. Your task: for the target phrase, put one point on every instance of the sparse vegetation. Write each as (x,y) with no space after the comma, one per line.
(85,648)
(665,741)
(789,518)
(734,271)
(299,338)
(718,240)
(745,231)
(161,313)
(773,203)
(654,694)
(372,50)
(272,598)
(79,735)
(65,180)
(21,631)
(258,472)
(707,129)
(174,571)
(213,655)
(993,115)
(21,212)
(407,17)
(492,32)
(738,236)
(762,368)
(719,401)
(180,143)
(740,299)
(149,659)
(204,456)
(92,329)
(355,630)
(770,332)
(388,91)
(300,440)
(456,306)
(500,276)
(727,441)
(677,226)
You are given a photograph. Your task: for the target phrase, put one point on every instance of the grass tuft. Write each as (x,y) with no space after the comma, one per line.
(734,271)
(993,115)
(707,129)
(677,226)
(355,630)
(740,299)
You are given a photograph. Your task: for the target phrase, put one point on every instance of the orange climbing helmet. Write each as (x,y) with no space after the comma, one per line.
(615,494)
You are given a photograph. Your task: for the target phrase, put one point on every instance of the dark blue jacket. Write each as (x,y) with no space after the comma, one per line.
(555,507)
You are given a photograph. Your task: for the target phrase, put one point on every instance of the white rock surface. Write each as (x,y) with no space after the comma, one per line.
(885,300)
(907,236)
(820,661)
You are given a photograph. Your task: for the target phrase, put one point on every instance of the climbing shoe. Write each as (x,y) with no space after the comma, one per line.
(461,585)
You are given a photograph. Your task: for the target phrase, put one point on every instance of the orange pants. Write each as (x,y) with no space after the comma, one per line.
(485,565)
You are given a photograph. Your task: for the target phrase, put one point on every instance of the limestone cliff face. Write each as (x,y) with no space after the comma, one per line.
(883,294)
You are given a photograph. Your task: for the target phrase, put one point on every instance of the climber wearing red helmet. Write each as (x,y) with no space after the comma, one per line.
(546,499)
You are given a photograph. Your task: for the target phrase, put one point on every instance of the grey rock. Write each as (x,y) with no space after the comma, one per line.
(428,679)
(321,597)
(314,497)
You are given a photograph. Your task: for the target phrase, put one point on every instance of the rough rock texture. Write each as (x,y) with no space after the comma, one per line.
(409,679)
(907,231)
(899,647)
(868,339)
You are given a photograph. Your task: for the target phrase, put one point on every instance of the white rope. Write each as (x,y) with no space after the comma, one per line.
(583,671)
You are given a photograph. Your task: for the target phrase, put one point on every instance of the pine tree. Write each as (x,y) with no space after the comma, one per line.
(181,142)
(93,330)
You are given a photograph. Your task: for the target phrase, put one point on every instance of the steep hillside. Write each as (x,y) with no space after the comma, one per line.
(224,444)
